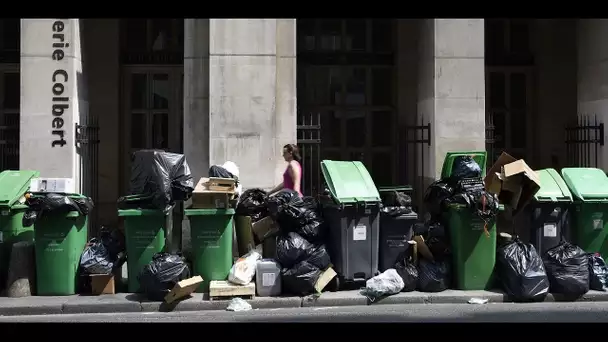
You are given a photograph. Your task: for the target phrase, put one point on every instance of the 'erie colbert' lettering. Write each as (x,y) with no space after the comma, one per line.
(59,79)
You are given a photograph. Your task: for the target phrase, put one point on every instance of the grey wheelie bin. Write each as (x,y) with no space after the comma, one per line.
(395,230)
(352,210)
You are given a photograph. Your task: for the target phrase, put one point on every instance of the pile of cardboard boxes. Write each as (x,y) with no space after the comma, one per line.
(515,184)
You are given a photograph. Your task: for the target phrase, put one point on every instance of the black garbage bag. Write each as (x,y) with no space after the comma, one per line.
(437,241)
(319,257)
(465,167)
(300,279)
(95,258)
(598,273)
(278,201)
(292,249)
(409,273)
(567,268)
(252,203)
(482,203)
(161,274)
(297,213)
(396,203)
(314,231)
(521,272)
(162,177)
(435,196)
(113,240)
(433,276)
(54,204)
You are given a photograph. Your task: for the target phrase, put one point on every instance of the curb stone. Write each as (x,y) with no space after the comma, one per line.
(124,303)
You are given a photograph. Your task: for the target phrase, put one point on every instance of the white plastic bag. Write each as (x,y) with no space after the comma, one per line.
(238,304)
(243,270)
(387,283)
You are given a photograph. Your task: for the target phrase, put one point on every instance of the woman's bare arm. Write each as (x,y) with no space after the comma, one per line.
(296,176)
(277,188)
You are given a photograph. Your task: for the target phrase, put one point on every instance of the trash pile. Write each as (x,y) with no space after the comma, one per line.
(295,224)
(101,256)
(162,274)
(465,188)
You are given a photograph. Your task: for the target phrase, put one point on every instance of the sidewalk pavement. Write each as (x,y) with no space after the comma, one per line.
(125,302)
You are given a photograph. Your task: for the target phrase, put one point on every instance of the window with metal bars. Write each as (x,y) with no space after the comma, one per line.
(158,41)
(346,96)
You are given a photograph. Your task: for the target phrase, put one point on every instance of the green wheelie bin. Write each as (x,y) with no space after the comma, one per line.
(144,236)
(13,186)
(59,240)
(212,236)
(473,240)
(589,221)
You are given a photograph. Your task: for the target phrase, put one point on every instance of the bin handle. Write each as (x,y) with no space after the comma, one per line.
(485,223)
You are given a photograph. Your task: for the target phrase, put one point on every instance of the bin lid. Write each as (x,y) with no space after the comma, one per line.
(552,187)
(402,188)
(140,212)
(349,181)
(14,184)
(587,184)
(212,212)
(448,163)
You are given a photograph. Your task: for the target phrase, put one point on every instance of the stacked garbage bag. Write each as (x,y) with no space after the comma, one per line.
(252,203)
(158,180)
(466,187)
(300,248)
(434,266)
(102,255)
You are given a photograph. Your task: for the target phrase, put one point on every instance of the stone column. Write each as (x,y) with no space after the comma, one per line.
(451,88)
(196,96)
(101,64)
(252,95)
(52,96)
(593,73)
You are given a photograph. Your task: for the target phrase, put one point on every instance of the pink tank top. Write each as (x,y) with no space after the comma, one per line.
(288,181)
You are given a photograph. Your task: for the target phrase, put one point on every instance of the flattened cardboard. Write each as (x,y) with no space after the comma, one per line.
(324,279)
(265,228)
(183,288)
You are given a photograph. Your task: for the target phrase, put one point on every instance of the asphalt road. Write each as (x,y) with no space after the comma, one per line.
(498,312)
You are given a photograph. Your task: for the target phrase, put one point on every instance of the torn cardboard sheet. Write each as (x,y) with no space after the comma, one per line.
(513,181)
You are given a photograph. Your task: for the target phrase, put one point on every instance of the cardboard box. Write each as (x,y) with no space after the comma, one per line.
(183,288)
(56,185)
(102,284)
(513,181)
(265,228)
(205,198)
(221,184)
